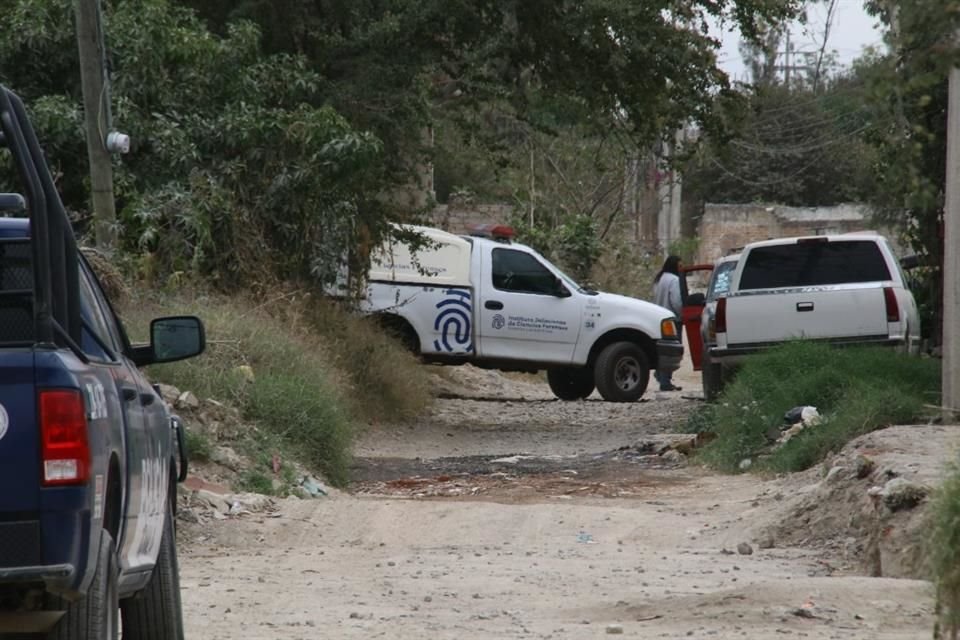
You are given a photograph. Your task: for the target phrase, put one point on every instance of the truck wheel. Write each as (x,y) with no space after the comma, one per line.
(93,617)
(712,378)
(571,383)
(622,372)
(156,612)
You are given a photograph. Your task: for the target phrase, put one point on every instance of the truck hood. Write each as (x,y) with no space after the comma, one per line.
(613,304)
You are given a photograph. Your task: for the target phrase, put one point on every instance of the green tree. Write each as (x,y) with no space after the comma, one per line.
(238,169)
(793,146)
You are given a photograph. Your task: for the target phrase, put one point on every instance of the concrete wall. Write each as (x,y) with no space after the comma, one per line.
(724,227)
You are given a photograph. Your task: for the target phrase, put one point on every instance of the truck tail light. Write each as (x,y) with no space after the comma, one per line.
(893,308)
(65,446)
(720,316)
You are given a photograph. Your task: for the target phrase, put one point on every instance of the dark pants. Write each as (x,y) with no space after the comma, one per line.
(665,378)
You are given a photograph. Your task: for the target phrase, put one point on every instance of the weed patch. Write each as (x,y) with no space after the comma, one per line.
(944,555)
(303,371)
(856,390)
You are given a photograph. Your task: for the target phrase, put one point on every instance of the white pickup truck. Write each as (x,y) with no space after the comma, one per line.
(843,289)
(497,304)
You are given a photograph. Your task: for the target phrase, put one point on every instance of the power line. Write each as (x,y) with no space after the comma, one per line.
(799,149)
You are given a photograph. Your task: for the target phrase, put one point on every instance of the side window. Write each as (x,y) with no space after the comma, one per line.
(521,273)
(721,280)
(97,320)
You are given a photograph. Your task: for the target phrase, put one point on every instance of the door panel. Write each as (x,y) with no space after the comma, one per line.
(523,316)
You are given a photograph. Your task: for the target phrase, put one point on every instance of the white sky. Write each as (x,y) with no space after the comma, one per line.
(852,30)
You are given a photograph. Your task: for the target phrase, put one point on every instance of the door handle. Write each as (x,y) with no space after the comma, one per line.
(494,305)
(804,306)
(129,394)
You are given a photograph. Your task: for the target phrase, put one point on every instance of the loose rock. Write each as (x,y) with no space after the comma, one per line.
(614,629)
(744,549)
(900,493)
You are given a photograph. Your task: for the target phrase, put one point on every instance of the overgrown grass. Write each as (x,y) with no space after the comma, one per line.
(944,554)
(856,390)
(302,371)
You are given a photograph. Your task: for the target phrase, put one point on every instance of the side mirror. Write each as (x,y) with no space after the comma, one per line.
(560,289)
(176,338)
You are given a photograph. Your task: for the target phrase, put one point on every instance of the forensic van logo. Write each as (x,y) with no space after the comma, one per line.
(499,321)
(453,322)
(4,421)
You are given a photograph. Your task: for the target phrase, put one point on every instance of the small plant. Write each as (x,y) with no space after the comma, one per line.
(856,390)
(255,481)
(199,447)
(944,555)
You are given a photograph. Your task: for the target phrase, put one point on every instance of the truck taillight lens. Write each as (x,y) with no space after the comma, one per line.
(63,429)
(720,316)
(890,300)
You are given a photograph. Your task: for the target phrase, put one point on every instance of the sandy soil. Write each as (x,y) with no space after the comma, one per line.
(590,545)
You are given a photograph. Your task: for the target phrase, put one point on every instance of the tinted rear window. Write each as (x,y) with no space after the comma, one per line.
(810,264)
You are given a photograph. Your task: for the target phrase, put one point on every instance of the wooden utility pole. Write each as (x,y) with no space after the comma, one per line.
(96,104)
(951,255)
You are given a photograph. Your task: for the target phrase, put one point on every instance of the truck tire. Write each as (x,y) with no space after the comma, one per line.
(622,372)
(571,383)
(712,378)
(156,613)
(93,617)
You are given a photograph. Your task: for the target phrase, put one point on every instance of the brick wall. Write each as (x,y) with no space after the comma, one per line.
(724,227)
(455,218)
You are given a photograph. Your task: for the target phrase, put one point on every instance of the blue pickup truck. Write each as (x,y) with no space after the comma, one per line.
(89,452)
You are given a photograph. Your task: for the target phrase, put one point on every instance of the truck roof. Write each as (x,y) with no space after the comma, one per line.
(870,236)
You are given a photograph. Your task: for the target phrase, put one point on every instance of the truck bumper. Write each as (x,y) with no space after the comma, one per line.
(56,577)
(735,354)
(669,355)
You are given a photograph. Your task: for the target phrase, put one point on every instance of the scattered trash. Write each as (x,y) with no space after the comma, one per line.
(745,464)
(805,413)
(797,420)
(313,487)
(585,538)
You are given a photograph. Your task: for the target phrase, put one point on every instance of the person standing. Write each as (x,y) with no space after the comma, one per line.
(667,294)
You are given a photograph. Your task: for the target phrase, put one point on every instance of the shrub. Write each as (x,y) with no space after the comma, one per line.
(856,390)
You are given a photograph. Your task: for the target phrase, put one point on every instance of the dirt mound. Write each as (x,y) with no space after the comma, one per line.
(867,505)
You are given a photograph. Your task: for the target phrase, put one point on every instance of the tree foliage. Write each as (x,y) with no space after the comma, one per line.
(275,133)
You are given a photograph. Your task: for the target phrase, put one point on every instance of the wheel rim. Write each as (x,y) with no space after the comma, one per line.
(626,375)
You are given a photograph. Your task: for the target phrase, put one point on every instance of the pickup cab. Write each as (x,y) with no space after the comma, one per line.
(89,452)
(492,302)
(841,289)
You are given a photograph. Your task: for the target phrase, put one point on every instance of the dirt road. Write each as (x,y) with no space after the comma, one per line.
(533,519)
